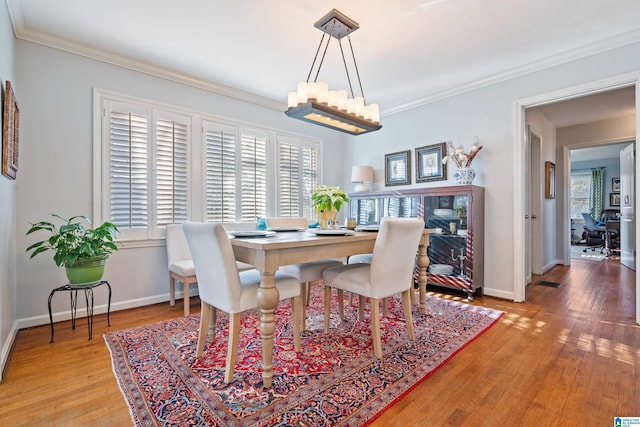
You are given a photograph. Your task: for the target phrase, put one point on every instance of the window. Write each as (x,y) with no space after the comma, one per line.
(298,177)
(580,193)
(155,170)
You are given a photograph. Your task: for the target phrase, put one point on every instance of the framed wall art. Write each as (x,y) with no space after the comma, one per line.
(615,185)
(614,199)
(10,132)
(397,168)
(429,166)
(549,180)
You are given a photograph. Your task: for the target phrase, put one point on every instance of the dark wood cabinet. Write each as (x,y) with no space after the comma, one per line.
(456,252)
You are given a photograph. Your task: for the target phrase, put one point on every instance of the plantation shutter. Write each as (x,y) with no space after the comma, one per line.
(253,175)
(297,177)
(171,194)
(221,171)
(310,167)
(128,167)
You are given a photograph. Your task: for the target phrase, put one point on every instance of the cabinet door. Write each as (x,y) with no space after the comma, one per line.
(450,248)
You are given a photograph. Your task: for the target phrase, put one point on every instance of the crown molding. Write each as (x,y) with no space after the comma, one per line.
(20,31)
(584,51)
(15,12)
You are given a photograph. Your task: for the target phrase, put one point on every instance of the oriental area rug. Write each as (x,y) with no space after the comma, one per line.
(334,381)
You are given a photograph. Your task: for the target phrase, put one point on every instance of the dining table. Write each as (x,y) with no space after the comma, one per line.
(267,253)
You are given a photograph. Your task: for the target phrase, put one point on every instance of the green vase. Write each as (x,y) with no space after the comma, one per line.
(86,270)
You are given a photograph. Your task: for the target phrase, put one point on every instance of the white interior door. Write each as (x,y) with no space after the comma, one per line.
(627,208)
(537,179)
(527,208)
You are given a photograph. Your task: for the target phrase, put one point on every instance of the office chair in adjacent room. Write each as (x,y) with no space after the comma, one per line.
(597,235)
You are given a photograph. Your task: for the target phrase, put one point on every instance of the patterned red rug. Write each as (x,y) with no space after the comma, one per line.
(335,380)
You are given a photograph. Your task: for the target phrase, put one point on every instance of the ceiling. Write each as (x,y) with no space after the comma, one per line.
(408,52)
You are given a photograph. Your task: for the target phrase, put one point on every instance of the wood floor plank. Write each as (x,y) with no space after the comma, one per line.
(566,356)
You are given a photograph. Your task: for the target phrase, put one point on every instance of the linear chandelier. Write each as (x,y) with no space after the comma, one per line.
(315,103)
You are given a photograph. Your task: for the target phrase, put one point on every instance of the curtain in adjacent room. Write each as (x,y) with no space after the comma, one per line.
(596,201)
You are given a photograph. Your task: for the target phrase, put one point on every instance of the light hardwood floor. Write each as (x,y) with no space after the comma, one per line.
(568,356)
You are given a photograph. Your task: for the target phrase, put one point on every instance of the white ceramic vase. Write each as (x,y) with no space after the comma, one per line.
(464,176)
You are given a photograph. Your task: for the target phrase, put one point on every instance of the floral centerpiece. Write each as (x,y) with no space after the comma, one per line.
(327,202)
(465,173)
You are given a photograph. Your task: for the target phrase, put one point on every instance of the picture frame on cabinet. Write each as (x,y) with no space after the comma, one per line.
(429,166)
(10,132)
(549,180)
(397,168)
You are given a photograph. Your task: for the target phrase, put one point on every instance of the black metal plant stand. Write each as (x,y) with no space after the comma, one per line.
(88,296)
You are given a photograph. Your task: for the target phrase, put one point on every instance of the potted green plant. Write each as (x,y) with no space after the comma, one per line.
(327,202)
(82,250)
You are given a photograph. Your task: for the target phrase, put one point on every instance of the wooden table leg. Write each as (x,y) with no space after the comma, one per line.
(423,263)
(268,298)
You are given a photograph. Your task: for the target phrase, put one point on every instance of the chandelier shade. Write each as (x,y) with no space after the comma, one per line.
(315,103)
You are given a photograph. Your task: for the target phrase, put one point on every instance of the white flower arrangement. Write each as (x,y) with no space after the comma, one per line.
(459,157)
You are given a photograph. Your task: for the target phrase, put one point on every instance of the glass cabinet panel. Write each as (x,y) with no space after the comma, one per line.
(448,250)
(400,207)
(365,211)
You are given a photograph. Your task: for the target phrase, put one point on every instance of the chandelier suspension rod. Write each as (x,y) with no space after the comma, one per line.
(346,69)
(323,53)
(355,64)
(316,57)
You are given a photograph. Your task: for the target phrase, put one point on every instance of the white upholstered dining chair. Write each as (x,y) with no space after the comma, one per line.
(307,272)
(180,264)
(225,288)
(181,267)
(389,273)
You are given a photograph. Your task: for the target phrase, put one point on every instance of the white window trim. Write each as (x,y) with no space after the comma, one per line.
(196,209)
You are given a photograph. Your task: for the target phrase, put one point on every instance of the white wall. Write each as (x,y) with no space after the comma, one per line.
(7,204)
(488,113)
(55,89)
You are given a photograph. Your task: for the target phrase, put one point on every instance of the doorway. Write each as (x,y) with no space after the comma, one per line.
(521,244)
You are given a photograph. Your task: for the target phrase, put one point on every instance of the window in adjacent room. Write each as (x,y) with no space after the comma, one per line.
(580,193)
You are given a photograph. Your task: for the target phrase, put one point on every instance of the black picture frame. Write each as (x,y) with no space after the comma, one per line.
(549,180)
(615,185)
(429,166)
(614,199)
(397,168)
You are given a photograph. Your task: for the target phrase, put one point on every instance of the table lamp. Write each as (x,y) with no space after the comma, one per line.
(362,175)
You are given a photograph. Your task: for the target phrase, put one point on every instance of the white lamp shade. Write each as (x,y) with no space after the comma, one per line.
(362,174)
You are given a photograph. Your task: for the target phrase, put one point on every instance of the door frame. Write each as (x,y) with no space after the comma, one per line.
(520,134)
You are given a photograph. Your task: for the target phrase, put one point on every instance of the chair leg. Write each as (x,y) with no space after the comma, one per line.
(232,350)
(205,312)
(304,292)
(296,310)
(385,307)
(361,307)
(212,322)
(408,317)
(327,308)
(341,303)
(172,290)
(186,298)
(375,326)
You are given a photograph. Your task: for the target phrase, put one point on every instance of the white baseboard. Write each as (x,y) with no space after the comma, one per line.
(97,309)
(498,293)
(6,349)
